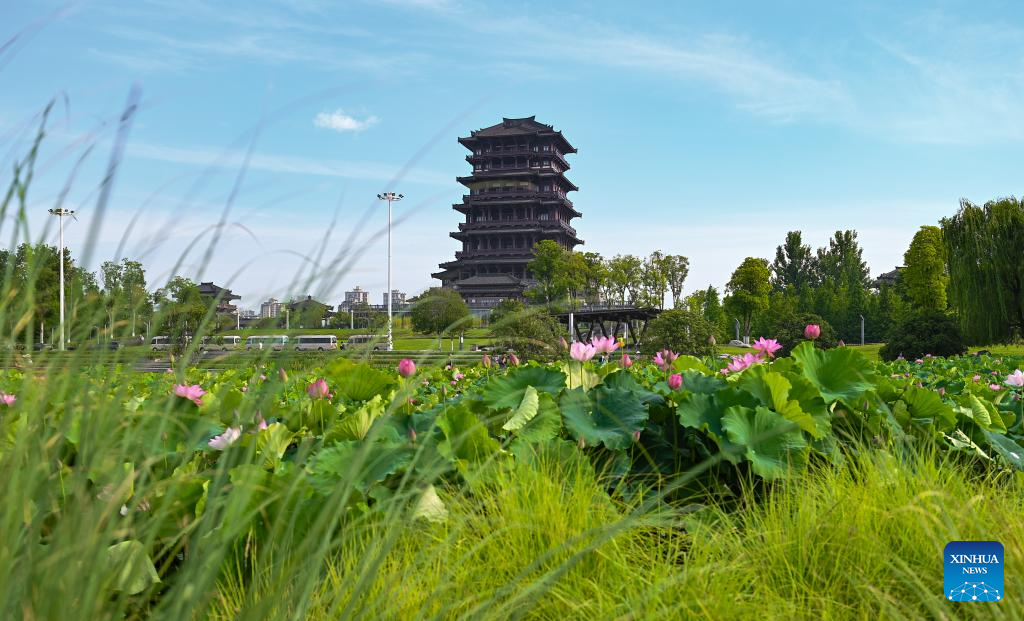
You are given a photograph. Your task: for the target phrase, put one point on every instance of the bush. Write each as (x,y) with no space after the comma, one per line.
(439,310)
(682,331)
(924,332)
(789,331)
(530,332)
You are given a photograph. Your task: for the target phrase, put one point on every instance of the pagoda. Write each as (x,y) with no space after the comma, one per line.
(517,196)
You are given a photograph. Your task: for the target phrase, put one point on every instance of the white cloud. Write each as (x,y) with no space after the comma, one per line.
(341,122)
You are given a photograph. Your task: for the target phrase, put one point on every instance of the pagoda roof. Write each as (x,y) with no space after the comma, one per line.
(527,126)
(208,289)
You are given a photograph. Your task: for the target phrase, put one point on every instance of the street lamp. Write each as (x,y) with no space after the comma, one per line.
(390,197)
(61,214)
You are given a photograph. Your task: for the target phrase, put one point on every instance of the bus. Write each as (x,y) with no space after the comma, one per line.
(159,343)
(220,343)
(275,343)
(360,341)
(318,342)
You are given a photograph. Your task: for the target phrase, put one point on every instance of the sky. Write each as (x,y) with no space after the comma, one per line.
(264,131)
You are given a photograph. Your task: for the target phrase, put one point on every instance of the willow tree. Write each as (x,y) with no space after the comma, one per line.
(985,251)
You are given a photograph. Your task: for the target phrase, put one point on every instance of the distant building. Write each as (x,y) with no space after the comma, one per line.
(248,314)
(308,311)
(356,296)
(397,298)
(888,278)
(270,308)
(220,296)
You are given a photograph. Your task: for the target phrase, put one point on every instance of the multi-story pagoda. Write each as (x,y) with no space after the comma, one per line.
(517,197)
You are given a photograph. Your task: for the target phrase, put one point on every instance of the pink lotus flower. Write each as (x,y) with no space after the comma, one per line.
(976,378)
(675,381)
(812,331)
(263,378)
(412,435)
(605,344)
(193,393)
(919,361)
(458,376)
(261,423)
(582,351)
(842,343)
(486,361)
(226,439)
(942,392)
(739,363)
(1015,379)
(406,367)
(453,382)
(514,359)
(995,386)
(7,399)
(767,347)
(284,376)
(318,389)
(636,436)
(626,361)
(665,358)
(561,341)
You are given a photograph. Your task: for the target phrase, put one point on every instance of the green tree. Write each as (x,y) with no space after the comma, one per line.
(794,264)
(625,275)
(683,331)
(439,310)
(677,268)
(925,272)
(984,249)
(748,290)
(181,310)
(530,332)
(654,276)
(546,266)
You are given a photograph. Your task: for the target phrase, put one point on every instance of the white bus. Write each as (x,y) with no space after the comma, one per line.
(318,342)
(220,343)
(363,341)
(276,342)
(159,343)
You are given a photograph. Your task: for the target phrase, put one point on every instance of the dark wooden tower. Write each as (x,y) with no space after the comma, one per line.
(517,197)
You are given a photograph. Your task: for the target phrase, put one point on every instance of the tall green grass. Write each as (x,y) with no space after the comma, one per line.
(862,542)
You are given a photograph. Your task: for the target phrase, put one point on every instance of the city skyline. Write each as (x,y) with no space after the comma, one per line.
(701,131)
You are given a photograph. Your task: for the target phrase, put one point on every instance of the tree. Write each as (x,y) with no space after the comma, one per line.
(439,310)
(530,332)
(984,246)
(677,268)
(925,272)
(794,264)
(124,292)
(843,262)
(682,331)
(748,291)
(625,274)
(655,279)
(181,309)
(548,260)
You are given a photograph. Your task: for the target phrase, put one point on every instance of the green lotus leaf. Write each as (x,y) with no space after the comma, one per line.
(608,416)
(131,566)
(840,373)
(1006,448)
(927,408)
(506,391)
(547,424)
(772,444)
(527,409)
(466,438)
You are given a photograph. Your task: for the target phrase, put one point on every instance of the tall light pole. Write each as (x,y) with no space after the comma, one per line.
(61,214)
(390,197)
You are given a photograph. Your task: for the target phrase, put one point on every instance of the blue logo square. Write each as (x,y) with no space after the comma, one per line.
(973,571)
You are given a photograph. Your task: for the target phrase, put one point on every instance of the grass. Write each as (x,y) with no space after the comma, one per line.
(546,542)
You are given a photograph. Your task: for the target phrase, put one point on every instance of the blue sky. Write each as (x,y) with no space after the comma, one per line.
(705,129)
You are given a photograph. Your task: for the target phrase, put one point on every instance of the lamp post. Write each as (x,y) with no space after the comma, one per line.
(61,214)
(390,197)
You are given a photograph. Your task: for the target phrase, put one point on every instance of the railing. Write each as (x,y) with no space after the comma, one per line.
(516,193)
(492,253)
(518,224)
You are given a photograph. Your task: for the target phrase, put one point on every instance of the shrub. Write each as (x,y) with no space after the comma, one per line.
(789,331)
(530,332)
(924,332)
(682,331)
(439,310)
